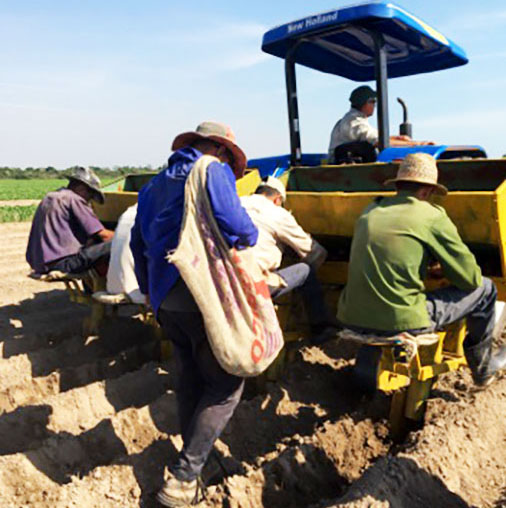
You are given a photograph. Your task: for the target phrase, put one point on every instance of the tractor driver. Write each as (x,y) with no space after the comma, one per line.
(394,239)
(354,126)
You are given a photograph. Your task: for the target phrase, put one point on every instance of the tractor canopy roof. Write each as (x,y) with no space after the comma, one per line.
(341,42)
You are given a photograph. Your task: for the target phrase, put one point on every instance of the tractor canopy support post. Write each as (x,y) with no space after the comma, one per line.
(293,107)
(380,65)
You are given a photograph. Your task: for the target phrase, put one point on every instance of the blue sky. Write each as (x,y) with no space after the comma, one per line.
(112,82)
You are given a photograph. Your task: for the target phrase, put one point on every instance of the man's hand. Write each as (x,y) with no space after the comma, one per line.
(317,256)
(105,235)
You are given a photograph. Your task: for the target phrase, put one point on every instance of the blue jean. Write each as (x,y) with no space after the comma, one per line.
(450,304)
(82,260)
(206,395)
(302,277)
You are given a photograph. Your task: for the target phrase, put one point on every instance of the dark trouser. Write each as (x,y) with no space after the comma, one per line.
(302,277)
(82,260)
(450,304)
(206,395)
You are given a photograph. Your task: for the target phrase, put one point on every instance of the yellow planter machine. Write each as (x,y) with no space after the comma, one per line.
(373,42)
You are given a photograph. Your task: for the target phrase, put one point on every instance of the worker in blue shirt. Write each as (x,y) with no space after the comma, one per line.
(207,395)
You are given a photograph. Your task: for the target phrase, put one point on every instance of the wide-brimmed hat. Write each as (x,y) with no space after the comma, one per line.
(220,133)
(276,184)
(419,168)
(91,180)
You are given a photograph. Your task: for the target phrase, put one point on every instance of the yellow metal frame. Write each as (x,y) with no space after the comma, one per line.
(412,381)
(116,202)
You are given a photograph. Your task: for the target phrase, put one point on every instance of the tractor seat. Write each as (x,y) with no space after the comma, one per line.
(408,342)
(356,152)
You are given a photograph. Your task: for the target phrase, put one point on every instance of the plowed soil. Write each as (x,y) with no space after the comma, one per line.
(92,423)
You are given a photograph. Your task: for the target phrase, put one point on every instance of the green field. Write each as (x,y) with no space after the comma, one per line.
(11,189)
(28,189)
(32,189)
(17,213)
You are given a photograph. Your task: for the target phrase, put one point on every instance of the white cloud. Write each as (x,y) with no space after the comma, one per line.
(242,60)
(225,32)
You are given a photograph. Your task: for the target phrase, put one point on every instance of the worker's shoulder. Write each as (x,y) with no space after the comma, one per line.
(432,211)
(407,209)
(62,195)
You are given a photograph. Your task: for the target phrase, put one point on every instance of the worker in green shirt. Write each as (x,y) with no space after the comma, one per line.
(396,239)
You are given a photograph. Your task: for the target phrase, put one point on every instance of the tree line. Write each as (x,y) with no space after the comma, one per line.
(50,172)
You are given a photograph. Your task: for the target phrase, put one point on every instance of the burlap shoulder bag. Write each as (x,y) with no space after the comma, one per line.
(227,284)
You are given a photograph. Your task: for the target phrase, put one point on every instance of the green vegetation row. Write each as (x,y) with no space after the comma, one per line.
(53,173)
(34,188)
(17,213)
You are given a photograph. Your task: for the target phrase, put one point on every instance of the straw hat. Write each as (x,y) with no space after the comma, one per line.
(218,132)
(91,180)
(276,184)
(419,168)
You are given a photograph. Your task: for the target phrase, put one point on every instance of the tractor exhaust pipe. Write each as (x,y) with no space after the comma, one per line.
(405,128)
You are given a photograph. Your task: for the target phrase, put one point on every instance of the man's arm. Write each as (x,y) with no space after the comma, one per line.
(233,220)
(457,261)
(84,215)
(403,140)
(105,235)
(137,247)
(289,232)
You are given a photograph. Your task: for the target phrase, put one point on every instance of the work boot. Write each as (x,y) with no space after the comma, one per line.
(483,363)
(178,493)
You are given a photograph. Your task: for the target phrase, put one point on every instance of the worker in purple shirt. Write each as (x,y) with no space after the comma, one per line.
(207,395)
(66,235)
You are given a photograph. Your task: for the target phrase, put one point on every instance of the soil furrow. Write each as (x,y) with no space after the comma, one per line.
(447,463)
(71,353)
(64,455)
(34,390)
(80,409)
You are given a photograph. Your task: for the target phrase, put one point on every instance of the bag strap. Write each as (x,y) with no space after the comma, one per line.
(195,191)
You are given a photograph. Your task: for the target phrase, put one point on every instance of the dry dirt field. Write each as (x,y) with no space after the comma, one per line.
(92,423)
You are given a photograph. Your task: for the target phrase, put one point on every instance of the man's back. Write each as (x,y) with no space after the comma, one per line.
(353,126)
(394,240)
(62,224)
(276,228)
(160,215)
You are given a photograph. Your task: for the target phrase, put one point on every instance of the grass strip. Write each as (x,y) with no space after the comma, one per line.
(17,213)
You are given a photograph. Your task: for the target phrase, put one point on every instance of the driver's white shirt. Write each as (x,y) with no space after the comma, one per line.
(353,126)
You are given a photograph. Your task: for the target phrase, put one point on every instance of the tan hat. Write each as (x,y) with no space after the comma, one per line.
(419,168)
(276,184)
(218,132)
(90,179)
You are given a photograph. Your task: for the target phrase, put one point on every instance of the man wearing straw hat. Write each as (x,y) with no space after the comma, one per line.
(395,240)
(206,394)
